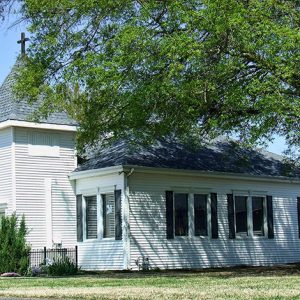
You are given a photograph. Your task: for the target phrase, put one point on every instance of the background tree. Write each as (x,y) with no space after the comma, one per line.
(149,68)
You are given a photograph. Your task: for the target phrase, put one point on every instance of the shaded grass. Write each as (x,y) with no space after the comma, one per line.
(228,283)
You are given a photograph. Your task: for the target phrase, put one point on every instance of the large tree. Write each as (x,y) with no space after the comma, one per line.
(150,68)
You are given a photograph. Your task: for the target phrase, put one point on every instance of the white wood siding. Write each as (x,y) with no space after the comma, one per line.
(148,225)
(100,254)
(31,172)
(6,168)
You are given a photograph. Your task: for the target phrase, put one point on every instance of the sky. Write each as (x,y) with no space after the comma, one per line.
(9,50)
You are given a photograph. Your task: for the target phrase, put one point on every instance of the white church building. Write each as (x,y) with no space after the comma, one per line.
(166,205)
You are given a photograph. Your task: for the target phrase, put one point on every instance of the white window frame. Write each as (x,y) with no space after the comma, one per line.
(98,192)
(102,219)
(84,205)
(250,233)
(191,216)
(265,217)
(208,210)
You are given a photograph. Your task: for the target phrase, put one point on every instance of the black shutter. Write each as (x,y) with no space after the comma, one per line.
(270,217)
(214,215)
(79,218)
(230,207)
(103,196)
(118,215)
(169,215)
(298,210)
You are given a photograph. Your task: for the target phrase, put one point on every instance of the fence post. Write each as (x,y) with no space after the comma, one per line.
(45,255)
(76,256)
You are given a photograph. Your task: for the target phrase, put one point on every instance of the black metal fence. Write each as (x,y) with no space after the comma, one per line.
(38,257)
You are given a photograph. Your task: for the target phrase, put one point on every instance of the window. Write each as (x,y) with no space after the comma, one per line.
(250,215)
(241,215)
(200,214)
(108,215)
(190,214)
(91,217)
(181,214)
(99,216)
(258,216)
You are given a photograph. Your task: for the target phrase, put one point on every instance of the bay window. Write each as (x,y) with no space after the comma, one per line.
(99,216)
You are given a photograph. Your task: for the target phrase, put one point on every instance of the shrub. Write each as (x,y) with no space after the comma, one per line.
(62,266)
(14,250)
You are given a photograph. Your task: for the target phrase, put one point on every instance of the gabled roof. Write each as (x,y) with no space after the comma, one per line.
(12,109)
(219,156)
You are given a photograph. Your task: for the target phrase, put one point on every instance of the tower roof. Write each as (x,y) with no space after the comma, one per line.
(14,109)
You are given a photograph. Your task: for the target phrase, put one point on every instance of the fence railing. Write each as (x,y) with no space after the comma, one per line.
(38,257)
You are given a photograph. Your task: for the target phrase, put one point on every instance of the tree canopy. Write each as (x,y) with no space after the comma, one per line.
(149,68)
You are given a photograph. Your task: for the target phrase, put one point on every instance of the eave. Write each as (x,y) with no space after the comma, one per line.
(180,172)
(25,124)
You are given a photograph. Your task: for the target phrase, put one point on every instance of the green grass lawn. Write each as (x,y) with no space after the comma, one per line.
(238,283)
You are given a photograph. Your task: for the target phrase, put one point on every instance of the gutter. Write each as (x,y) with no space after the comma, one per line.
(95,172)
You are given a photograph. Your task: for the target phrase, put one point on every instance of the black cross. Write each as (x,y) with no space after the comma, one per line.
(23,41)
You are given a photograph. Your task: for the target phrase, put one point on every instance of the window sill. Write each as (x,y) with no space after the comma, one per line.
(188,237)
(98,240)
(239,237)
(204,237)
(107,239)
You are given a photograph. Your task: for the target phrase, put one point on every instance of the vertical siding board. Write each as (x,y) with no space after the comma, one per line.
(6,168)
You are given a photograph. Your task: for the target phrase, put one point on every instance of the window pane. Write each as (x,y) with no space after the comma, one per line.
(241,214)
(258,215)
(200,214)
(108,215)
(181,214)
(91,217)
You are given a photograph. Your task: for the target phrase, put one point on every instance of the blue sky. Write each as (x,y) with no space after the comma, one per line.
(9,50)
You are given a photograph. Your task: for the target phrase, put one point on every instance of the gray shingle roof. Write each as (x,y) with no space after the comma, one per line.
(11,109)
(220,156)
